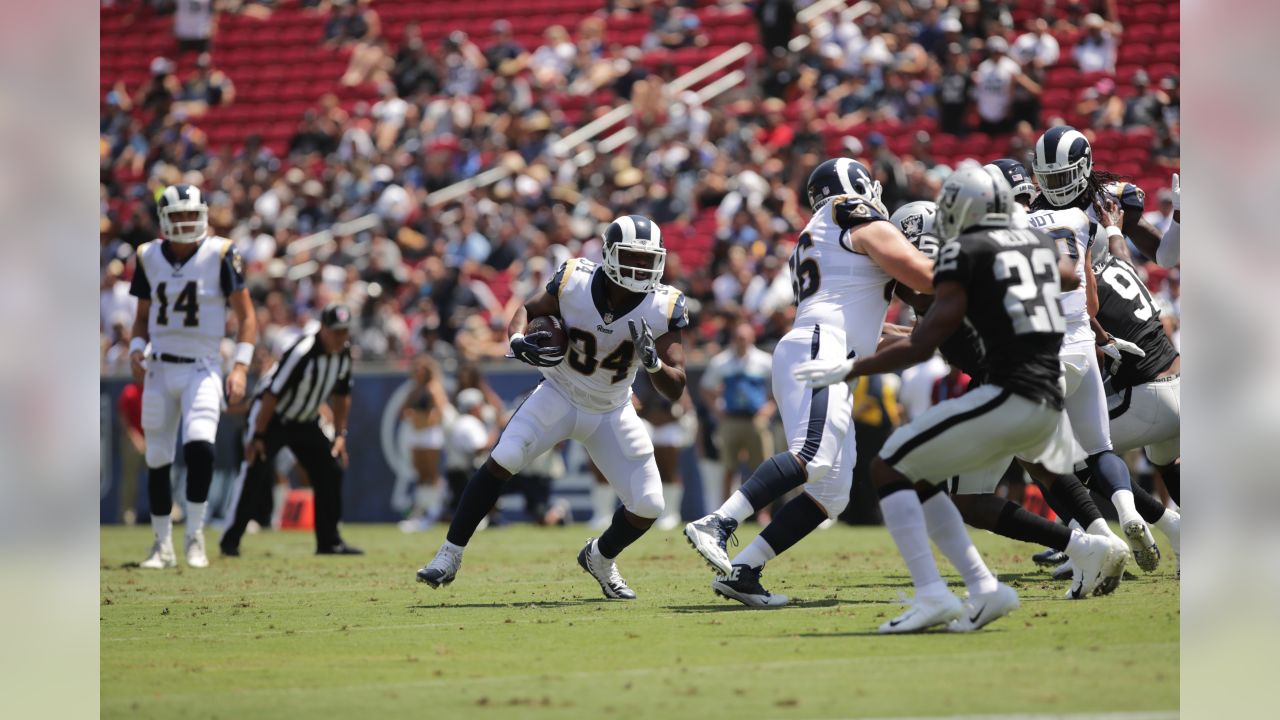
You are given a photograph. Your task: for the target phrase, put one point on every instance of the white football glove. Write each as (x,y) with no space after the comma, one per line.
(821,373)
(646,348)
(1177,194)
(1116,348)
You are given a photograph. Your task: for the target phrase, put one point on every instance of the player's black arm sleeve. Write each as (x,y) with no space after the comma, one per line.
(945,316)
(670,379)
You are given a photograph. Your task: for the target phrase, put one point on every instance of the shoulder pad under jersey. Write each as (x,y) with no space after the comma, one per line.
(848,212)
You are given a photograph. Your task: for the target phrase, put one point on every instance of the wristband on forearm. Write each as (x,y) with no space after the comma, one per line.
(655,368)
(244,353)
(1113,231)
(137,345)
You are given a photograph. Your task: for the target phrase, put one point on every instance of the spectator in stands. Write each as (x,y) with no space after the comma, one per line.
(777,20)
(954,90)
(993,82)
(1167,150)
(505,56)
(1096,50)
(1144,109)
(463,63)
(351,22)
(208,87)
(552,61)
(1036,47)
(1170,86)
(413,69)
(1101,105)
(158,93)
(194,24)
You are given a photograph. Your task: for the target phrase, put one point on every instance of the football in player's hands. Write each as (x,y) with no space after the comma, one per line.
(544,343)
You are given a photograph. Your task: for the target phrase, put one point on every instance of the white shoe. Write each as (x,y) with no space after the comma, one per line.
(194,547)
(1098,564)
(442,569)
(827,524)
(984,608)
(925,612)
(1145,552)
(605,571)
(162,556)
(417,524)
(709,536)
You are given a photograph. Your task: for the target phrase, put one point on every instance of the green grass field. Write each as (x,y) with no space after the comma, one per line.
(524,633)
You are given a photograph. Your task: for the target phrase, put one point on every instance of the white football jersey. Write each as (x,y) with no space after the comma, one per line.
(1072,229)
(188,316)
(836,286)
(601,362)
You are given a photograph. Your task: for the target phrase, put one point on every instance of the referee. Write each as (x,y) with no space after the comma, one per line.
(286,413)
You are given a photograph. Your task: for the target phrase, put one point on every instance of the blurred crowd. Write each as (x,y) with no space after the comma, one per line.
(724,177)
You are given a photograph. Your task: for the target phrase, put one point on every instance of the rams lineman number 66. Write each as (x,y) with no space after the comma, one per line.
(184,283)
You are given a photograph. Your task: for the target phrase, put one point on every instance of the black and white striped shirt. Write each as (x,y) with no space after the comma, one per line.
(304,379)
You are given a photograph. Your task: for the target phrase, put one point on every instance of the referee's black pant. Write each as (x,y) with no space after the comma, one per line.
(314,452)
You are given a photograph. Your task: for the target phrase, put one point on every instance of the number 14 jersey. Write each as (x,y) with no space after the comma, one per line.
(1011,277)
(188,316)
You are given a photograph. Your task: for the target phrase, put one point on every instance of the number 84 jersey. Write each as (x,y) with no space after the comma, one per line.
(188,316)
(601,362)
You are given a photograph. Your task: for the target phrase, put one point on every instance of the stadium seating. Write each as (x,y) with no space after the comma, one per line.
(281,68)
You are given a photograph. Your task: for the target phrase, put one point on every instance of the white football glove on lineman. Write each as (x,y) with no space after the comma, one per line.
(821,373)
(1177,193)
(1115,350)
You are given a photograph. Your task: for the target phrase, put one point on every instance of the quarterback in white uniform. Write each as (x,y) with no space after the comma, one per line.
(618,317)
(1063,166)
(846,263)
(184,283)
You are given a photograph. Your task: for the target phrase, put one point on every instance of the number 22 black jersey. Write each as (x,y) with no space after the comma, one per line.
(1011,277)
(1126,310)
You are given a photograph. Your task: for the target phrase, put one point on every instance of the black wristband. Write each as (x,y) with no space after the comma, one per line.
(260,436)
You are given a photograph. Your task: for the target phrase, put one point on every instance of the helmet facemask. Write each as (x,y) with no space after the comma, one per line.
(1062,185)
(189,229)
(633,266)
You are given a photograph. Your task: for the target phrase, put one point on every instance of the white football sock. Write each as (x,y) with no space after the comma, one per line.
(279,493)
(756,553)
(426,501)
(1170,523)
(946,529)
(1128,512)
(162,525)
(737,507)
(672,495)
(195,517)
(1098,527)
(602,499)
(905,519)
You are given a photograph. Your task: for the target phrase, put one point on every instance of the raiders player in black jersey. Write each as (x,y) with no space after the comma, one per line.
(1004,281)
(974,493)
(1143,394)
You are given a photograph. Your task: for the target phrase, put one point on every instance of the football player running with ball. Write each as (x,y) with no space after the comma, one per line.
(184,283)
(618,317)
(1004,281)
(846,263)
